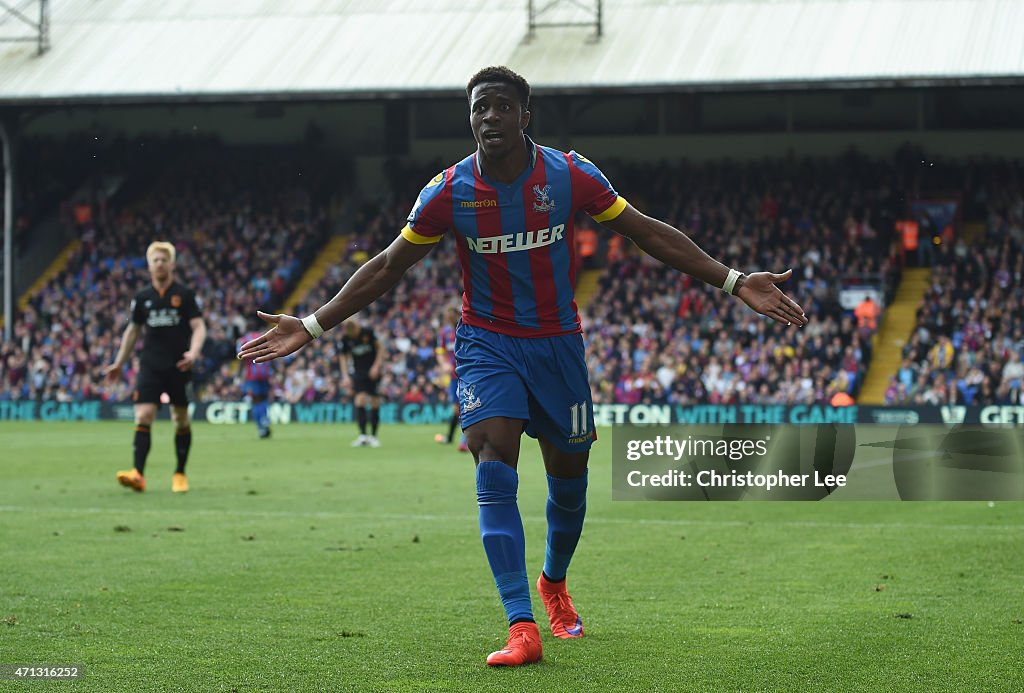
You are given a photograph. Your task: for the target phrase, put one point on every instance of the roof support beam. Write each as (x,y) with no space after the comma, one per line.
(40,30)
(559,13)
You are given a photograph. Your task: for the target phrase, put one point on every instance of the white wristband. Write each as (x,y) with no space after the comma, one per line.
(730,281)
(312,326)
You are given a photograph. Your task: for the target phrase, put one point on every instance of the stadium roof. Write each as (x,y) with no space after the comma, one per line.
(166,50)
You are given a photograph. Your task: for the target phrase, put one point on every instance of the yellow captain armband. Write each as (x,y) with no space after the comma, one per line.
(613,211)
(413,237)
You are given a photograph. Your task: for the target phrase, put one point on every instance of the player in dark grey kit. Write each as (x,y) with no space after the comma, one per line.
(175,333)
(361,358)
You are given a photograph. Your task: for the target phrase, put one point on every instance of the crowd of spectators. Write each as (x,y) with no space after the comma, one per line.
(74,174)
(967,344)
(244,226)
(656,336)
(245,232)
(406,321)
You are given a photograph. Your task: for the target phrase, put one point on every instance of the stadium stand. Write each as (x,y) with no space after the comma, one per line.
(968,339)
(653,337)
(656,338)
(245,230)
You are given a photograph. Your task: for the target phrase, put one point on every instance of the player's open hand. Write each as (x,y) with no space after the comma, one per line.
(112,373)
(285,337)
(760,293)
(186,361)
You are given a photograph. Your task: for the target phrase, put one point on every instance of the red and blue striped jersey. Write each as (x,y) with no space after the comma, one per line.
(253,371)
(516,241)
(446,344)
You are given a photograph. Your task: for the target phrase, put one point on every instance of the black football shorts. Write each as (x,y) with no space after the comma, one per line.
(153,383)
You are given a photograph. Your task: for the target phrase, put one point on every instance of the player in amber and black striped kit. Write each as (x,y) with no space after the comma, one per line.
(175,332)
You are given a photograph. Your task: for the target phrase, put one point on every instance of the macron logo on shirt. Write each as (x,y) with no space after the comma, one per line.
(512,242)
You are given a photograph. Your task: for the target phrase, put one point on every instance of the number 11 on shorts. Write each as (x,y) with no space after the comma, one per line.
(578,418)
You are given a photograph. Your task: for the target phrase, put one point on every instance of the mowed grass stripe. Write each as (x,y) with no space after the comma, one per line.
(461,519)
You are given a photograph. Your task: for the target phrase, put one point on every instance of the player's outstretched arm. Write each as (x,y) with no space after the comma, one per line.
(131,334)
(677,250)
(370,282)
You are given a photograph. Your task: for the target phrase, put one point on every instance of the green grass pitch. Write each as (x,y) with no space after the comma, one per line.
(299,564)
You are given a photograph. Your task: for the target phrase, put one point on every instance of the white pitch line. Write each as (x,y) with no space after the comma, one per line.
(407,517)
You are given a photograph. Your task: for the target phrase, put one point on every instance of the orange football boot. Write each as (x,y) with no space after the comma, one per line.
(179,483)
(565,621)
(132,479)
(523,647)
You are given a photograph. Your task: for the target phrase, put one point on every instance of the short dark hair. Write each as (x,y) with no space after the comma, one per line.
(500,73)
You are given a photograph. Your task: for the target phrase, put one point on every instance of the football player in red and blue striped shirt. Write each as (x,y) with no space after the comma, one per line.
(256,386)
(446,362)
(519,352)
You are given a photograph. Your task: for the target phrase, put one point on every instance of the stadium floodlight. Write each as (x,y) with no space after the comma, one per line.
(40,34)
(564,13)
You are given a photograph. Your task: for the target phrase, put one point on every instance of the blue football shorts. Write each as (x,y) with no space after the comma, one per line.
(540,380)
(256,388)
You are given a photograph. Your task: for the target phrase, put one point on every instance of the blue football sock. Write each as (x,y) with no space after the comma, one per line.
(501,529)
(567,505)
(259,415)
